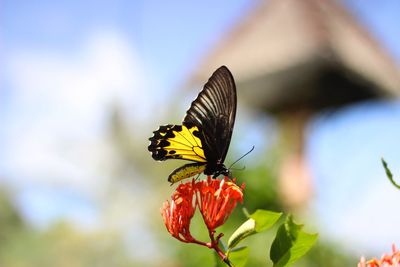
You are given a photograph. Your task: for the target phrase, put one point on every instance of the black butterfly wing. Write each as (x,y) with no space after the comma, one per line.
(213,113)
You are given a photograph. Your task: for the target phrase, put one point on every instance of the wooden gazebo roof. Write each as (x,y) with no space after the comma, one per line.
(287,53)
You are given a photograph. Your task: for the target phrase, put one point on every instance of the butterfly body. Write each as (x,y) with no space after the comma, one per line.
(186,171)
(205,133)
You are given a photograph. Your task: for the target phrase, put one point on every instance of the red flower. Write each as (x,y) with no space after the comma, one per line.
(217,199)
(178,214)
(386,260)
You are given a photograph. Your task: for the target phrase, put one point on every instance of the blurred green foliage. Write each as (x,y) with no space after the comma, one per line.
(133,171)
(10,220)
(59,245)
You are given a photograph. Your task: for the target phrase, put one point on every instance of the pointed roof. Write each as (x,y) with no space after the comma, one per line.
(283,46)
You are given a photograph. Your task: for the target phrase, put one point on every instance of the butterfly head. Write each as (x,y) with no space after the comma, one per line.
(221,169)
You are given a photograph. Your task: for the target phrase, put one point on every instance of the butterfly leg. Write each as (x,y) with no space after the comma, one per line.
(197,177)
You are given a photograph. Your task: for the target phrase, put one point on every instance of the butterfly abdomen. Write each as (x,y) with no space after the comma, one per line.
(186,171)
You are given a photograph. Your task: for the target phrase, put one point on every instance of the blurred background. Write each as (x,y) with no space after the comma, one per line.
(84,84)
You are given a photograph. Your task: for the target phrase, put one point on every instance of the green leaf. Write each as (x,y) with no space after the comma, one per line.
(290,243)
(239,256)
(246,229)
(265,219)
(389,173)
(259,221)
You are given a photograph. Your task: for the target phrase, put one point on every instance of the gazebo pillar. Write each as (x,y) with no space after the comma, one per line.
(295,179)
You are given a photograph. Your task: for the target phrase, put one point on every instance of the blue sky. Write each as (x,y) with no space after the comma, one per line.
(66,61)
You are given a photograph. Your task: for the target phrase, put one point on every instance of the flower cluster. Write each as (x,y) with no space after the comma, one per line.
(178,214)
(215,199)
(385,261)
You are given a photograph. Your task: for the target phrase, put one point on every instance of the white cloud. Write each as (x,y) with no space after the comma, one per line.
(105,69)
(60,103)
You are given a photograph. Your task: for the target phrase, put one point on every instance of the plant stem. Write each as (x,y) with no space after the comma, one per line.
(215,245)
(212,245)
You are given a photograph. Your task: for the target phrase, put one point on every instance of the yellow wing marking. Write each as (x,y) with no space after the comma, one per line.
(177,142)
(186,145)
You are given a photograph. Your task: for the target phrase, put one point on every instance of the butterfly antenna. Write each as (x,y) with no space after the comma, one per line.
(248,152)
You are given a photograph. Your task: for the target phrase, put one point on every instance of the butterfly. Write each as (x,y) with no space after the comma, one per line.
(205,133)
